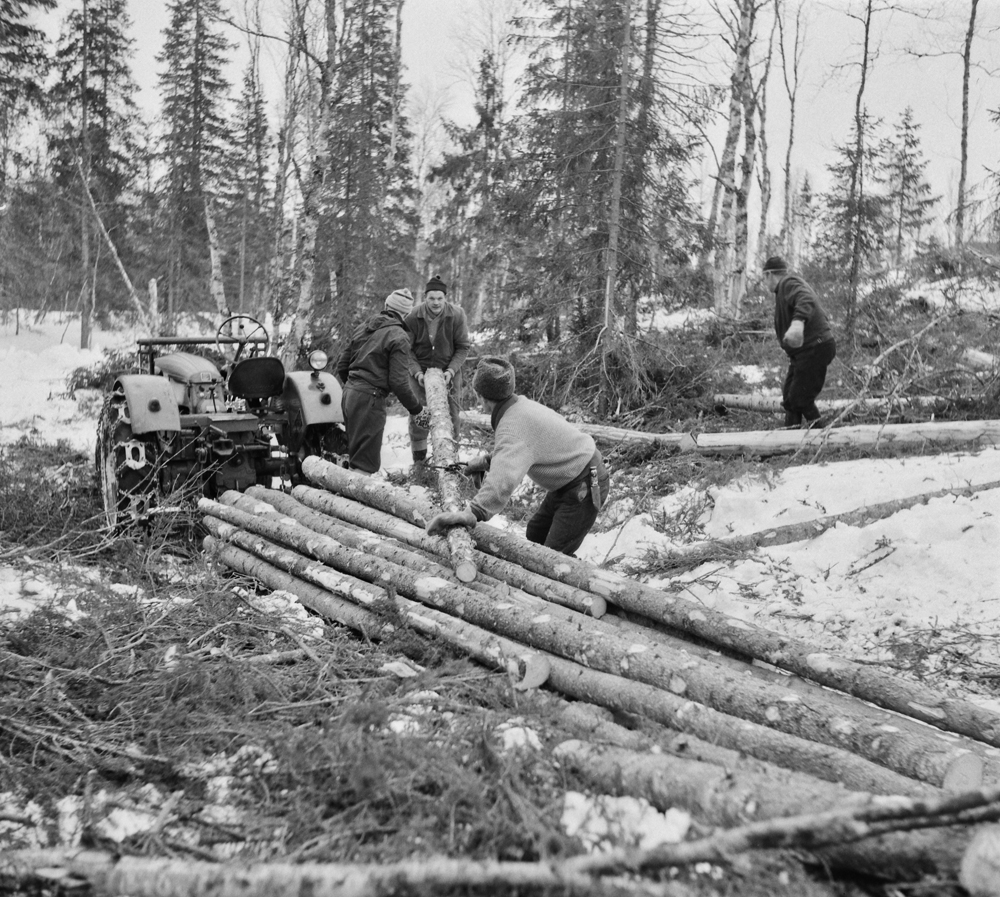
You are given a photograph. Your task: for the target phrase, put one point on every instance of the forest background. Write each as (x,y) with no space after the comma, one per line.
(606,159)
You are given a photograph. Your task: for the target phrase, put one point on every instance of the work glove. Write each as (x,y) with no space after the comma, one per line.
(441,523)
(793,335)
(423,418)
(448,377)
(420,378)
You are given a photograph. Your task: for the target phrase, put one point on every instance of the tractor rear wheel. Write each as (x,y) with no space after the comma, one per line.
(126,467)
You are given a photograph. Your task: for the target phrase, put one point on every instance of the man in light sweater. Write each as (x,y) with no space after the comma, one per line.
(532,440)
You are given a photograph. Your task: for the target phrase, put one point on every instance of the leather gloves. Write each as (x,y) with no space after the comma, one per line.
(793,335)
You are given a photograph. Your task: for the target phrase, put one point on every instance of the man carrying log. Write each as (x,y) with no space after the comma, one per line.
(804,333)
(440,340)
(376,363)
(535,441)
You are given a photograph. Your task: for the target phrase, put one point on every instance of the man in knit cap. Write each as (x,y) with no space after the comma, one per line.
(376,363)
(804,333)
(440,340)
(532,440)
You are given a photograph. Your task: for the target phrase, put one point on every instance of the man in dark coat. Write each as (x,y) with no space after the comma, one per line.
(376,363)
(440,340)
(804,333)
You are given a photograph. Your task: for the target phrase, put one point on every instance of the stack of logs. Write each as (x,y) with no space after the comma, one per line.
(772,726)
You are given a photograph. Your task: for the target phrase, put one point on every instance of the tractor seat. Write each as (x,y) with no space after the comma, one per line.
(257,378)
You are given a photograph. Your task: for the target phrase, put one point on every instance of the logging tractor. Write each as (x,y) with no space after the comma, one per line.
(207,414)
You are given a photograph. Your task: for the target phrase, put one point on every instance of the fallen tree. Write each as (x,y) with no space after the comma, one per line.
(746,639)
(808,529)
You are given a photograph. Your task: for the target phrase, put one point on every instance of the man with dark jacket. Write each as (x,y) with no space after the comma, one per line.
(440,340)
(376,363)
(534,441)
(804,333)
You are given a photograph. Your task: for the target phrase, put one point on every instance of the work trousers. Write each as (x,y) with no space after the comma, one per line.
(364,418)
(804,381)
(566,515)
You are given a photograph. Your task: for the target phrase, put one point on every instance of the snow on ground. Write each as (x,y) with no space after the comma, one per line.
(854,590)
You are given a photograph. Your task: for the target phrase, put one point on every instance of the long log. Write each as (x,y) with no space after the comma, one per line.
(680,442)
(319,601)
(929,758)
(776,442)
(784,651)
(732,798)
(758,402)
(978,360)
(111,875)
(394,527)
(285,510)
(304,577)
(444,456)
(809,529)
(498,576)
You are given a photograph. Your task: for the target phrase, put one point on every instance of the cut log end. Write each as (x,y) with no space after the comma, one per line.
(466,571)
(965,774)
(536,672)
(598,607)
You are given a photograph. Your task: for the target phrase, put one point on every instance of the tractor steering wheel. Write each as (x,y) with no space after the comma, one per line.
(248,331)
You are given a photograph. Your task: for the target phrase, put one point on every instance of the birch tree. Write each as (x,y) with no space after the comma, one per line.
(791,68)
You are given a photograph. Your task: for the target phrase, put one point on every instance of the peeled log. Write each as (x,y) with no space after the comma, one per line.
(731,798)
(526,667)
(385,524)
(775,442)
(787,652)
(681,442)
(929,758)
(444,456)
(757,402)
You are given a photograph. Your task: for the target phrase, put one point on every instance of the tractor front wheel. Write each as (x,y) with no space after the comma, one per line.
(126,467)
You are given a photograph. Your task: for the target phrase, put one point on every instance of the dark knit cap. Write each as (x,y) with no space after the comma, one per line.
(436,285)
(775,263)
(494,378)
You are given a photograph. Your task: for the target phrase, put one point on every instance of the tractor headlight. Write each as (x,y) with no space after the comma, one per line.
(318,359)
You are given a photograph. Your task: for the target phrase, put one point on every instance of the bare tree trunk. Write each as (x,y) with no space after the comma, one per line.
(790,75)
(721,230)
(764,178)
(89,278)
(217,285)
(857,191)
(964,167)
(608,338)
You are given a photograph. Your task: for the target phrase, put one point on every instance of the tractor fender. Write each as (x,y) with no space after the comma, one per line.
(151,402)
(315,395)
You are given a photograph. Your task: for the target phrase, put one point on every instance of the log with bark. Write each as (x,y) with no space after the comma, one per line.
(305,579)
(335,509)
(744,638)
(858,832)
(865,731)
(756,402)
(681,442)
(444,457)
(775,442)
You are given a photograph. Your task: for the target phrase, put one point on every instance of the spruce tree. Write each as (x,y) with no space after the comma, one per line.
(196,145)
(910,198)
